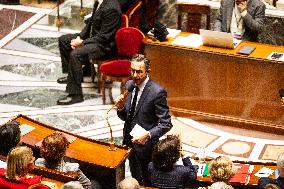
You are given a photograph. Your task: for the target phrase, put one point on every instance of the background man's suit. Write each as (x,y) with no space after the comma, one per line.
(98,40)
(151,113)
(253,21)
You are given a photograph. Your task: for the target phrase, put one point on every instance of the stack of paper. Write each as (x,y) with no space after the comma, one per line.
(193,40)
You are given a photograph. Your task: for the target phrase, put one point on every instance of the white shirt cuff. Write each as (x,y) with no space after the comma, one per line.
(244,13)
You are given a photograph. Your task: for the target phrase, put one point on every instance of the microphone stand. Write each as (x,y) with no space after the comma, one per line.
(58,21)
(111,143)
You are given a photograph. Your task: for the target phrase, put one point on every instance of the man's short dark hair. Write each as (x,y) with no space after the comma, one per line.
(141,58)
(10,135)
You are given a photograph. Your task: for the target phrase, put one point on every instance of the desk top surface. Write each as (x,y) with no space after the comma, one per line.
(261,52)
(83,149)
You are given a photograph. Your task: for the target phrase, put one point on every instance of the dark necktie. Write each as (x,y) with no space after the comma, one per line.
(133,104)
(96,4)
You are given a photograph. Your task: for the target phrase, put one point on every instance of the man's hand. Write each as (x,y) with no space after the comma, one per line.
(120,100)
(242,5)
(141,139)
(75,43)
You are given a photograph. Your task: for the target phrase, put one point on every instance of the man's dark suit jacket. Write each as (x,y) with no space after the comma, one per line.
(264,181)
(253,21)
(104,24)
(177,178)
(151,113)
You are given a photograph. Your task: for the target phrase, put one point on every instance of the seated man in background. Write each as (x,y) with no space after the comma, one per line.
(279,181)
(164,172)
(10,135)
(96,40)
(52,150)
(128,183)
(244,19)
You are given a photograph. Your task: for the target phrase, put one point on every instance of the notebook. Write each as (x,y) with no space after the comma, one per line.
(218,39)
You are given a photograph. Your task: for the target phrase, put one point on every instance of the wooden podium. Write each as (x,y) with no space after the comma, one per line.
(94,157)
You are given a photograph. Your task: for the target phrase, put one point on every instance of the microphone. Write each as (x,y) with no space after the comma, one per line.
(130,85)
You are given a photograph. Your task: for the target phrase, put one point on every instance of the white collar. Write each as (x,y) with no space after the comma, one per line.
(143,84)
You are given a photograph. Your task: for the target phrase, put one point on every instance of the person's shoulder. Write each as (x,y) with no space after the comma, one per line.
(71,166)
(156,86)
(113,4)
(257,3)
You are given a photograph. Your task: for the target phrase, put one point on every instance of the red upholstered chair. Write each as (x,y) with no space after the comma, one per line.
(129,41)
(124,24)
(134,13)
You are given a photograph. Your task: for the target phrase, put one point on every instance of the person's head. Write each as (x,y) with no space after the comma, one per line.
(128,183)
(72,185)
(280,164)
(20,160)
(53,147)
(221,169)
(140,67)
(10,136)
(271,186)
(220,185)
(166,152)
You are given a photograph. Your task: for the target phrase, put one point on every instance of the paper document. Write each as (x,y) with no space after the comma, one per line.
(137,131)
(276,56)
(173,32)
(193,40)
(25,129)
(264,172)
(3,164)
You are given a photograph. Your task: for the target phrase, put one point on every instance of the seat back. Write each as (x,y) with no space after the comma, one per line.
(134,13)
(124,21)
(129,41)
(194,14)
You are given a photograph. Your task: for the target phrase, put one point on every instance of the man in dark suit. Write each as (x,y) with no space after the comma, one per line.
(97,39)
(146,115)
(279,181)
(242,18)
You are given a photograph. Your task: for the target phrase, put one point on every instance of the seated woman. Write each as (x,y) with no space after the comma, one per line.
(221,170)
(52,150)
(20,161)
(164,172)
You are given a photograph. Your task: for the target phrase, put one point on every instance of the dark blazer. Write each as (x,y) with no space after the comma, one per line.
(264,181)
(151,113)
(175,179)
(104,23)
(253,21)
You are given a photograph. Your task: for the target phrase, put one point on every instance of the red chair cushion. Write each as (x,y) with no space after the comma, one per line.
(129,41)
(116,68)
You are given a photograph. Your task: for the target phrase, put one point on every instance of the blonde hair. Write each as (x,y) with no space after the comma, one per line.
(17,162)
(271,186)
(221,169)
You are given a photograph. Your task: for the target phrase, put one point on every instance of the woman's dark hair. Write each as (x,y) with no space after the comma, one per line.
(53,147)
(166,153)
(10,135)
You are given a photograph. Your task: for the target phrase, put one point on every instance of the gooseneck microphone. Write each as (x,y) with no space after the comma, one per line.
(130,85)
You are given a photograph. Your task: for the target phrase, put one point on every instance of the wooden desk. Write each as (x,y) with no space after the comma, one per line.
(218,85)
(95,158)
(253,179)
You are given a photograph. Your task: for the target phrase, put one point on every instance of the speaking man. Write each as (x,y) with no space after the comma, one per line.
(146,115)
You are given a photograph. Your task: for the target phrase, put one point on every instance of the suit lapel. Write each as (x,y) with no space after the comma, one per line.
(145,92)
(101,7)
